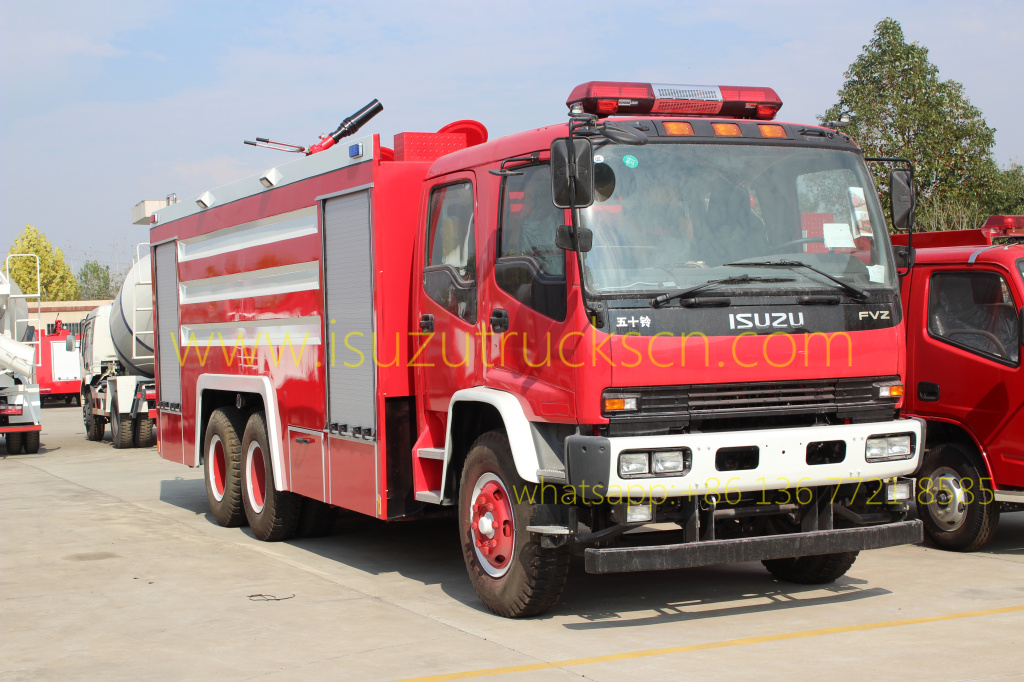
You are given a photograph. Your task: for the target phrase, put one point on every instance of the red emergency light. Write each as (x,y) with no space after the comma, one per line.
(605,98)
(1004,226)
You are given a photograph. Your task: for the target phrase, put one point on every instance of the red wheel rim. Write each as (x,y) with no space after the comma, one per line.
(257,478)
(492,525)
(219,468)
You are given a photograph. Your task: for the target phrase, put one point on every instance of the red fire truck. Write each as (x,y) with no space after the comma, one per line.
(664,334)
(964,304)
(58,369)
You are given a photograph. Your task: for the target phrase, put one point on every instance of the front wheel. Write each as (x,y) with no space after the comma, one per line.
(811,570)
(512,574)
(958,513)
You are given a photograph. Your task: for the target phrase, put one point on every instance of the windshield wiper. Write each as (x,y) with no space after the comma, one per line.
(856,291)
(738,279)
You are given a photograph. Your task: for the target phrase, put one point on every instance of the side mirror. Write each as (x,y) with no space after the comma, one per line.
(580,158)
(69,343)
(563,238)
(901,199)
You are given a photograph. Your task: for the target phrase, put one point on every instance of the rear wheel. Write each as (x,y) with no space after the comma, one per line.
(222,464)
(31,442)
(513,575)
(14,443)
(273,514)
(144,435)
(811,570)
(121,431)
(957,512)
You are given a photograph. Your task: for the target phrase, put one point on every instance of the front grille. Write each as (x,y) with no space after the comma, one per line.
(855,399)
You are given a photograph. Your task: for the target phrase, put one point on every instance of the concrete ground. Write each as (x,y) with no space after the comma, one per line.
(111,567)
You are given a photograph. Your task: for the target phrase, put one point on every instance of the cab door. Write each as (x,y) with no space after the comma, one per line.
(967,361)
(445,351)
(529,347)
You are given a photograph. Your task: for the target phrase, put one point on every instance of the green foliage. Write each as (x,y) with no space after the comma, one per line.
(97,283)
(901,108)
(58,283)
(1006,194)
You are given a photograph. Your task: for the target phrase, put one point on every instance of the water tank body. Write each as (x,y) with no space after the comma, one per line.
(134,306)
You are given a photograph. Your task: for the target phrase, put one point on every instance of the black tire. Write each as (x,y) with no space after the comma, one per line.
(967,527)
(272,514)
(222,466)
(94,426)
(14,442)
(316,519)
(529,579)
(78,400)
(145,435)
(811,570)
(122,432)
(30,442)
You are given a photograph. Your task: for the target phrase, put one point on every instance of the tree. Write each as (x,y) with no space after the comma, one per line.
(902,108)
(58,283)
(96,282)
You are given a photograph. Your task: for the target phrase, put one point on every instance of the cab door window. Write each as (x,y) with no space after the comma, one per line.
(975,311)
(529,266)
(449,277)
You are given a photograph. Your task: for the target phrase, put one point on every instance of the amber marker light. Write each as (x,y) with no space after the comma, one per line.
(726,129)
(769,130)
(620,404)
(678,128)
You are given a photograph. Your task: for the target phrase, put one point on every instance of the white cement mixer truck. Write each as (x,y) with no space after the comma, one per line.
(19,392)
(117,362)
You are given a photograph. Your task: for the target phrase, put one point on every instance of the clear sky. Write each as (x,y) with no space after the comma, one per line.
(104,103)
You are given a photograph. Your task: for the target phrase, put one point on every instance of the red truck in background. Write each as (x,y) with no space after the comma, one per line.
(58,370)
(671,315)
(964,305)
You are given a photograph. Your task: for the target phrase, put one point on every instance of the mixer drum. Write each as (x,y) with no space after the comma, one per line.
(121,319)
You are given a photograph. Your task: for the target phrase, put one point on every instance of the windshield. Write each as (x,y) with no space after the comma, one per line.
(671,216)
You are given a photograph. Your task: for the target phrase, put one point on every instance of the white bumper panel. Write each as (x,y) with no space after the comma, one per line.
(782,460)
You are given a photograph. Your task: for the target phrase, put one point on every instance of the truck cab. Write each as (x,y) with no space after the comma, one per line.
(964,304)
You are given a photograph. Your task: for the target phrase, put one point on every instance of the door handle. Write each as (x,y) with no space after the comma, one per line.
(927,391)
(426,322)
(499,321)
(304,441)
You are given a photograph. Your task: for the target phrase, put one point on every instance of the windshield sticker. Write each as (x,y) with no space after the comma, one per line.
(598,158)
(630,161)
(876,273)
(837,236)
(860,212)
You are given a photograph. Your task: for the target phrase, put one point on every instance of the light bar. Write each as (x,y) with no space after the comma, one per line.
(605,98)
(1004,225)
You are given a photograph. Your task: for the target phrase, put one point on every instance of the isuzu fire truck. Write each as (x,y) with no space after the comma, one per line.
(964,303)
(664,334)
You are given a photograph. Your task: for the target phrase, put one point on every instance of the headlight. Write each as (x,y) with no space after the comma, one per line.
(633,463)
(886,448)
(669,462)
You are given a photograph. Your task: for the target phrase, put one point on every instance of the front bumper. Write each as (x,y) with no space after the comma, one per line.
(692,554)
(592,461)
